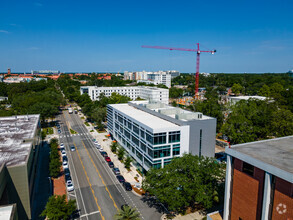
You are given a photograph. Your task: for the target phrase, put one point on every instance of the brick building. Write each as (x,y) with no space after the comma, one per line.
(259,180)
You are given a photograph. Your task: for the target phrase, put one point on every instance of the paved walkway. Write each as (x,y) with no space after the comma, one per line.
(191,216)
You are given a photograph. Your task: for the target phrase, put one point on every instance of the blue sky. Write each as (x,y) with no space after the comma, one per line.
(87,36)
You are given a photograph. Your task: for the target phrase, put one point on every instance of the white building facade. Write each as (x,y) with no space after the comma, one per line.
(154,133)
(149,93)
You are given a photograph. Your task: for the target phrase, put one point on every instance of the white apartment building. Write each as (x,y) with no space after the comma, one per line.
(159,77)
(154,133)
(153,94)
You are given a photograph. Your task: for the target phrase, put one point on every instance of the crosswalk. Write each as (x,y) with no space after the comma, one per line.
(72,135)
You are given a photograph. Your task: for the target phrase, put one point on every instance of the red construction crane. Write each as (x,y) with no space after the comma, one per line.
(198,51)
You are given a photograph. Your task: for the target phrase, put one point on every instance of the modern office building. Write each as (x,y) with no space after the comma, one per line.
(259,180)
(19,146)
(149,93)
(154,133)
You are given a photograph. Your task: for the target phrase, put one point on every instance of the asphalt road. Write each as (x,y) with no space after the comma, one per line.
(97,191)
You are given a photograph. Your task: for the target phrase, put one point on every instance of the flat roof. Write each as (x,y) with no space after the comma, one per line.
(248,97)
(126,87)
(143,117)
(274,155)
(16,134)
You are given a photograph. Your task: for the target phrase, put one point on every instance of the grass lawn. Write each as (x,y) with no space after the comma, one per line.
(48,130)
(82,117)
(73,131)
(87,124)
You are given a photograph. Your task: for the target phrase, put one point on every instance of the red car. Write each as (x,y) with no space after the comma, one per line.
(108,159)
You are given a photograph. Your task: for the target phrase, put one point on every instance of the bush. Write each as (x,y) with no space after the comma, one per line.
(127,162)
(121,153)
(114,147)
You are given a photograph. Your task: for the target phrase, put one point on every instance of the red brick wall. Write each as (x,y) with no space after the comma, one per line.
(245,191)
(283,200)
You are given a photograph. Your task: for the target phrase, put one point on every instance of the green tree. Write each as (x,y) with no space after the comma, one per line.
(121,153)
(114,147)
(58,208)
(265,91)
(237,88)
(175,92)
(186,181)
(127,213)
(282,123)
(127,162)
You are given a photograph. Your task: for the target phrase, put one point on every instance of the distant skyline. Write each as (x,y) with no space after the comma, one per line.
(106,36)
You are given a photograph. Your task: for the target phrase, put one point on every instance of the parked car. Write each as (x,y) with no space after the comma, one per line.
(72,148)
(116,171)
(66,171)
(59,131)
(104,154)
(61,145)
(69,186)
(67,178)
(65,164)
(63,153)
(111,164)
(127,186)
(64,158)
(120,178)
(108,159)
(101,149)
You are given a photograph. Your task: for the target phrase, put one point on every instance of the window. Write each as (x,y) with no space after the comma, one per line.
(147,163)
(174,136)
(159,138)
(127,134)
(136,129)
(157,165)
(150,152)
(142,134)
(129,125)
(149,138)
(139,155)
(143,146)
(135,140)
(176,149)
(162,152)
(200,137)
(248,169)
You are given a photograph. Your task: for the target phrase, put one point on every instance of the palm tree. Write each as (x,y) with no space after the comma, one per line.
(121,153)
(127,213)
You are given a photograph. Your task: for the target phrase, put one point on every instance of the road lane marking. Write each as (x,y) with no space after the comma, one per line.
(89,214)
(100,177)
(89,183)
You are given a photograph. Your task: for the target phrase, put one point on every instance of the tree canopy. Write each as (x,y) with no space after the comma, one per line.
(186,181)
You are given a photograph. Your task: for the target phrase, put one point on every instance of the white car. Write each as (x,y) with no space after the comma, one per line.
(101,149)
(98,146)
(65,164)
(61,145)
(69,186)
(63,153)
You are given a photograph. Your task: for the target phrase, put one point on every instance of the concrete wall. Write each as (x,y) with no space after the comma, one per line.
(208,137)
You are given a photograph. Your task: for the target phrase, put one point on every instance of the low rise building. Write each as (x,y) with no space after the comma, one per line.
(235,99)
(259,180)
(149,93)
(154,133)
(19,146)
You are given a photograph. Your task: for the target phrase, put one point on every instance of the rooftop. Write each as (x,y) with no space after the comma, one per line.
(16,133)
(128,87)
(248,97)
(6,212)
(274,156)
(147,119)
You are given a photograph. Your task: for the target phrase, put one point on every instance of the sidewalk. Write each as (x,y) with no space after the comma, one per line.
(191,216)
(105,142)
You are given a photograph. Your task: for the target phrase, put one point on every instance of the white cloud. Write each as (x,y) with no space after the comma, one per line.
(4,31)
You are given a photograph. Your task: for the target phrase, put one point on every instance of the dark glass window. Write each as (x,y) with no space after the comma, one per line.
(139,155)
(176,151)
(143,146)
(159,138)
(174,136)
(157,166)
(142,134)
(149,138)
(248,169)
(135,140)
(150,152)
(162,153)
(136,129)
(129,125)
(127,134)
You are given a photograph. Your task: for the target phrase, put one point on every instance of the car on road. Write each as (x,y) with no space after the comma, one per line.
(65,164)
(69,186)
(101,149)
(111,164)
(59,131)
(63,153)
(120,178)
(127,186)
(72,148)
(61,145)
(116,171)
(67,178)
(108,159)
(104,154)
(64,158)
